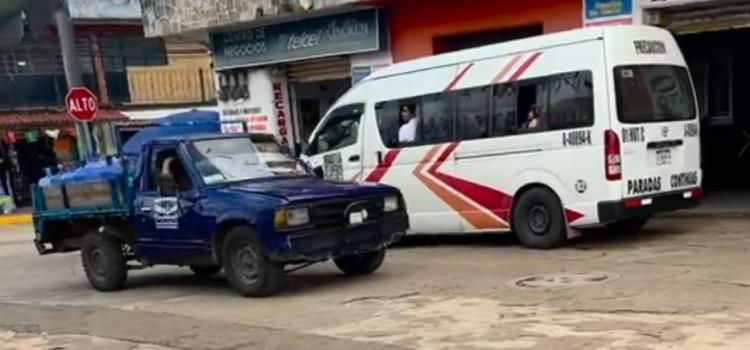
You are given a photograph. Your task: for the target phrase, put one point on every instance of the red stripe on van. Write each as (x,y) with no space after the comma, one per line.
(458,77)
(572,215)
(491,199)
(377,174)
(506,69)
(525,66)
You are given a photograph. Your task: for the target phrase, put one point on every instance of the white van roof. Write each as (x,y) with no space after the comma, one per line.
(501,49)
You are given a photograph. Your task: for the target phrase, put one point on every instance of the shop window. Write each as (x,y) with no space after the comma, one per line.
(340,130)
(719,87)
(713,86)
(473,111)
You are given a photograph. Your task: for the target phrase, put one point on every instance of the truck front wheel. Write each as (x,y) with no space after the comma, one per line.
(360,264)
(104,262)
(248,266)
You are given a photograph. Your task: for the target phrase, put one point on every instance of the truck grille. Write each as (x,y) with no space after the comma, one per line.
(336,213)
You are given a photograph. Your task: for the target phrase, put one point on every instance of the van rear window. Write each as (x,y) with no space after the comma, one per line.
(653,93)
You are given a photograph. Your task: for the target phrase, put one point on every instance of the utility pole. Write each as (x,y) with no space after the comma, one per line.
(72,70)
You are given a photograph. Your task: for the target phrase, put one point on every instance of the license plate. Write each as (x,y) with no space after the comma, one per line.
(663,157)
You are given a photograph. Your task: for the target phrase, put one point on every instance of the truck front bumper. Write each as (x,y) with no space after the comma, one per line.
(317,245)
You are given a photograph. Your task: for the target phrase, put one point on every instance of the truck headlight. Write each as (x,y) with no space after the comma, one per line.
(390,204)
(291,217)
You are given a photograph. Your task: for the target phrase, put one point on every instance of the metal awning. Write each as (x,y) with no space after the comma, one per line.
(37,119)
(704,17)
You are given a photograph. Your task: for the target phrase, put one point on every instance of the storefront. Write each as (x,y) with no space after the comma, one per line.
(712,35)
(33,142)
(282,78)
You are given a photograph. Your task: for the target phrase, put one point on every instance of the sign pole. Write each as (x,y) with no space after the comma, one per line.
(72,69)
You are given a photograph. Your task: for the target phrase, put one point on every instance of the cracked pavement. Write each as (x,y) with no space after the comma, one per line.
(679,284)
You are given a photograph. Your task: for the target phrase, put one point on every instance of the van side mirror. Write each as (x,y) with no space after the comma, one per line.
(167,186)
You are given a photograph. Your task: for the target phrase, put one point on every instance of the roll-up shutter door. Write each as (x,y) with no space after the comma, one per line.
(328,68)
(728,15)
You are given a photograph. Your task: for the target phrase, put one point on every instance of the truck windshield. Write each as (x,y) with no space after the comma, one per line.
(653,93)
(238,159)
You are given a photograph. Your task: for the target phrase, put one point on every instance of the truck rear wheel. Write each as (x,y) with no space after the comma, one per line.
(248,266)
(104,262)
(360,264)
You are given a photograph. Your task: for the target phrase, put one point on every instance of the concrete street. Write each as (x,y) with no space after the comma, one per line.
(680,284)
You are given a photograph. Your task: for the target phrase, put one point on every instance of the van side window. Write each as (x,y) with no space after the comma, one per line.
(388,122)
(533,105)
(340,130)
(571,101)
(435,119)
(504,109)
(416,121)
(473,112)
(553,102)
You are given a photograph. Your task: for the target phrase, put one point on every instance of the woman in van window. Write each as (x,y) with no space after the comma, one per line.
(532,122)
(408,130)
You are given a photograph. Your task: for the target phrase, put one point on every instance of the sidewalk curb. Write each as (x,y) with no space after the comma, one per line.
(15,219)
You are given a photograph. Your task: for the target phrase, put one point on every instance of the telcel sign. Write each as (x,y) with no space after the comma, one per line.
(339,34)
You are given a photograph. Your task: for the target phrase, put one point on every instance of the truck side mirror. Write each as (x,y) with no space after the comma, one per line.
(167,186)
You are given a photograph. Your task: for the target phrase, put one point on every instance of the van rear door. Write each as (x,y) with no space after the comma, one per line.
(658,129)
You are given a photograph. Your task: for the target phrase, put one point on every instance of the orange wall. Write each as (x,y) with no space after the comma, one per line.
(414,23)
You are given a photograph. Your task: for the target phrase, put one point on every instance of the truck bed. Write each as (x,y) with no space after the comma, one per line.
(62,215)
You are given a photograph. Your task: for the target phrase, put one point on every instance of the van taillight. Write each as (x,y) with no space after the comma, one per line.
(612,158)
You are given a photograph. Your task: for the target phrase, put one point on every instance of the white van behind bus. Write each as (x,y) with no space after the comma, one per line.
(541,136)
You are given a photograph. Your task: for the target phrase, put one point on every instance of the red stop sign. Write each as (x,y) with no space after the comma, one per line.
(82,104)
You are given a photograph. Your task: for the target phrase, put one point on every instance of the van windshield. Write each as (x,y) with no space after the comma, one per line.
(653,93)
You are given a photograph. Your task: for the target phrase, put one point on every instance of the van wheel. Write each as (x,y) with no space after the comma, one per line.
(360,264)
(538,219)
(104,263)
(205,270)
(628,226)
(248,266)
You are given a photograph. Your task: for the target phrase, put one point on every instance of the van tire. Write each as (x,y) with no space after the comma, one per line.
(628,226)
(248,265)
(538,219)
(205,271)
(103,262)
(360,264)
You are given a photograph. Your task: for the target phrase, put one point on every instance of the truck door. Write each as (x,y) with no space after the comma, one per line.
(169,227)
(335,146)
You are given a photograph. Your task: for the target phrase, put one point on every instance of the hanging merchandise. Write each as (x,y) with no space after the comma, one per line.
(10,137)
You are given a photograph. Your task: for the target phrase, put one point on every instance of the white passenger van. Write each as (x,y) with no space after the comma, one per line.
(541,136)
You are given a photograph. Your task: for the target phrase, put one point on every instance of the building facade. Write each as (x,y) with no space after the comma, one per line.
(712,35)
(280,65)
(132,76)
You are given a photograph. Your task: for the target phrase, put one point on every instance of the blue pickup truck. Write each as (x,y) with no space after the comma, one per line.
(236,202)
